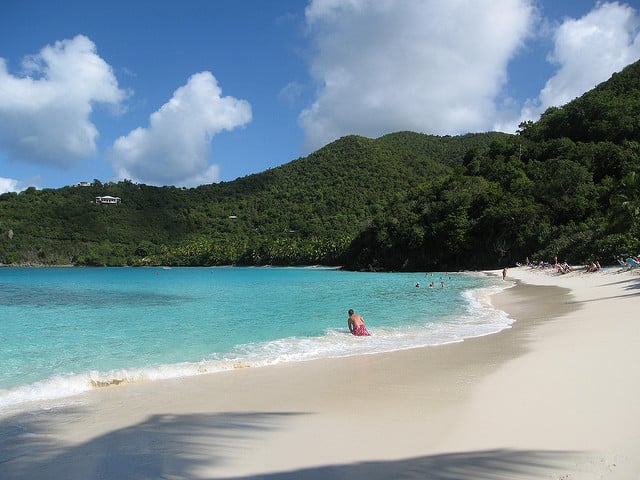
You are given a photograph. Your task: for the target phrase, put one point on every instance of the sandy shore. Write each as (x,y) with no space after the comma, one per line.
(555,397)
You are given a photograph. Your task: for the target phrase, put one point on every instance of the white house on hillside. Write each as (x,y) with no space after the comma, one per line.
(107,200)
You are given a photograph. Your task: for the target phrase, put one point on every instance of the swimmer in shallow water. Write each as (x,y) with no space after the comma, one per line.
(356,325)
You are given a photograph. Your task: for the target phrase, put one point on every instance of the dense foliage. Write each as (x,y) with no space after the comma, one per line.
(305,212)
(567,186)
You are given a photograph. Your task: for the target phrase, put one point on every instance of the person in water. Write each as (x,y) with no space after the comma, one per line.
(356,325)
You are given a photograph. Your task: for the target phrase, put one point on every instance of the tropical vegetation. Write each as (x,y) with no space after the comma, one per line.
(567,186)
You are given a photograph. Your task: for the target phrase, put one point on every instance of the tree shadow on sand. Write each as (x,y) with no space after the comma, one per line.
(629,285)
(479,465)
(162,446)
(187,446)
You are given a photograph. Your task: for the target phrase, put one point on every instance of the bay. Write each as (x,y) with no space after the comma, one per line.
(66,330)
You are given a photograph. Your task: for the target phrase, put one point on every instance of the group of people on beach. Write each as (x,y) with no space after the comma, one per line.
(563,267)
(593,266)
(631,261)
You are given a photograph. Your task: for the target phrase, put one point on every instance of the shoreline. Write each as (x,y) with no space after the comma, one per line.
(480,319)
(532,401)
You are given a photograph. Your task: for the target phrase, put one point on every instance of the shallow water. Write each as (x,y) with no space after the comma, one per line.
(66,330)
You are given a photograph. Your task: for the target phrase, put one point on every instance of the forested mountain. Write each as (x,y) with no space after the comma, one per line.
(564,186)
(306,211)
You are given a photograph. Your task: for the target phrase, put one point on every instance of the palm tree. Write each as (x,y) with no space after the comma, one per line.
(629,195)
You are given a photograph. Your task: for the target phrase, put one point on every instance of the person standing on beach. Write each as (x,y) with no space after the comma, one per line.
(504,273)
(356,325)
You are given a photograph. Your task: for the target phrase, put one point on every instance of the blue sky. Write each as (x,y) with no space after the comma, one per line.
(192,92)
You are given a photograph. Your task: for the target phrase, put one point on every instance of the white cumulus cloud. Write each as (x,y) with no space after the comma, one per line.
(430,66)
(9,185)
(175,148)
(45,112)
(587,51)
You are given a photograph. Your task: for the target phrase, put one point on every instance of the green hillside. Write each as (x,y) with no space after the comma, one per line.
(567,186)
(564,186)
(306,211)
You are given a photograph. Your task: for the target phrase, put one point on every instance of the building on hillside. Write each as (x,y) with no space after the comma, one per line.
(107,200)
(84,184)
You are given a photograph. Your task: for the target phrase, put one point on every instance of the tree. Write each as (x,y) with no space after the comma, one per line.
(628,196)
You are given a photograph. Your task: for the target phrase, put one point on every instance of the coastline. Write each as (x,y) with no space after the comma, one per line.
(462,310)
(555,396)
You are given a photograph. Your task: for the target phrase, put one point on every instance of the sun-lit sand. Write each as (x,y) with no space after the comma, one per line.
(555,397)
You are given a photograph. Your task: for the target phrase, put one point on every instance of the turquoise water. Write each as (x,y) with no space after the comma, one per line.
(67,330)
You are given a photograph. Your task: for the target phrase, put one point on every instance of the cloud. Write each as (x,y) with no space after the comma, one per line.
(13,185)
(9,185)
(175,148)
(45,112)
(587,51)
(385,65)
(291,92)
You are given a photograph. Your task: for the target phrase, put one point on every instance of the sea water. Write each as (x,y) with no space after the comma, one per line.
(67,330)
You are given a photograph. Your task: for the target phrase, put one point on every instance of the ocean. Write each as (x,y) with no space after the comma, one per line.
(64,331)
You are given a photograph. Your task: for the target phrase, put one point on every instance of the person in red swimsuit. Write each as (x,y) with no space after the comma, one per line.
(356,325)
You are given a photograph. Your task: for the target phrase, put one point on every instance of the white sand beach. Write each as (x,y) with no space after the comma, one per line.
(555,397)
